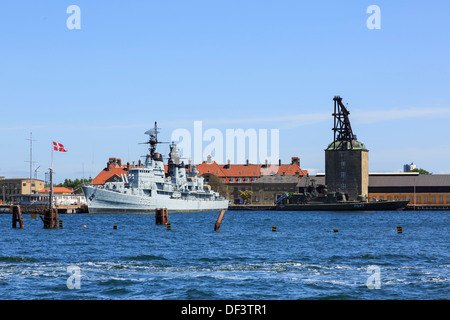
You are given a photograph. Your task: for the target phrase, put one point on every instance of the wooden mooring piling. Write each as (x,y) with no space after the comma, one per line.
(50,218)
(17,217)
(219,220)
(161,215)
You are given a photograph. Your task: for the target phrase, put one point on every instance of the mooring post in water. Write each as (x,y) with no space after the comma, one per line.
(161,215)
(50,215)
(165,216)
(219,220)
(17,216)
(158,216)
(50,218)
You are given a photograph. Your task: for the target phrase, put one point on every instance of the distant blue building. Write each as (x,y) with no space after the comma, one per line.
(408,167)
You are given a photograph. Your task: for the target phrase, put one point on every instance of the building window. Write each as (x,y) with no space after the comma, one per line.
(448,199)
(381,197)
(231,179)
(239,180)
(433,198)
(343,186)
(343,175)
(441,198)
(403,197)
(343,164)
(419,199)
(389,198)
(425,198)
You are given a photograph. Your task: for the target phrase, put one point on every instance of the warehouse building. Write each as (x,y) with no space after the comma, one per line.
(422,190)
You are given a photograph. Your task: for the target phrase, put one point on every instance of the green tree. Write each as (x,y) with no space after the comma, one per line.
(75,185)
(420,171)
(245,195)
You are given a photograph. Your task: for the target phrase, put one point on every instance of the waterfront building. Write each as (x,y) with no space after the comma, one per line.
(419,189)
(59,199)
(266,181)
(346,158)
(347,170)
(14,186)
(408,167)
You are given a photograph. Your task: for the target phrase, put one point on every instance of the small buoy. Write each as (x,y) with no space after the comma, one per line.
(399,229)
(84,226)
(115,227)
(168,226)
(274,228)
(60,223)
(335,230)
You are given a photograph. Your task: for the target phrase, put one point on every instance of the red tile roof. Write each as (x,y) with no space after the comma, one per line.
(113,168)
(59,190)
(291,169)
(249,171)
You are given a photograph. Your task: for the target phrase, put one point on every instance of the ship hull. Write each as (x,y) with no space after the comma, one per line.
(345,206)
(106,201)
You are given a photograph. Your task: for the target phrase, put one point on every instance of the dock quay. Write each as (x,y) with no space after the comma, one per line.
(251,207)
(428,207)
(41,208)
(262,207)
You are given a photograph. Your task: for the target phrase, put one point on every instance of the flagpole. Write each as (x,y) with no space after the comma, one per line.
(50,195)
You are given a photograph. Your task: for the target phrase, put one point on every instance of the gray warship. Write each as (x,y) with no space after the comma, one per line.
(149,187)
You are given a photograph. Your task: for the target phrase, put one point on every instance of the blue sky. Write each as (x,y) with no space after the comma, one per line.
(231,64)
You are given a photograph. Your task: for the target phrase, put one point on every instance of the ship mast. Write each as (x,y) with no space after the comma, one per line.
(31,162)
(153,141)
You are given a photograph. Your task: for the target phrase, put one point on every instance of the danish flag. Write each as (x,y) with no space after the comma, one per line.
(58,147)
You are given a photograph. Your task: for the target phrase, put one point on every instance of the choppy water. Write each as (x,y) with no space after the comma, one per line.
(303,259)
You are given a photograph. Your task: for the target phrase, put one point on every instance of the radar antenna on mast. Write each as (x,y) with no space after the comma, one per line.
(153,141)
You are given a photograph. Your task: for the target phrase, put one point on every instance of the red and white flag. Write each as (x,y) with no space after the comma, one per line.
(58,147)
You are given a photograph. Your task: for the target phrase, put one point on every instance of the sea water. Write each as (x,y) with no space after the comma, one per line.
(311,255)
